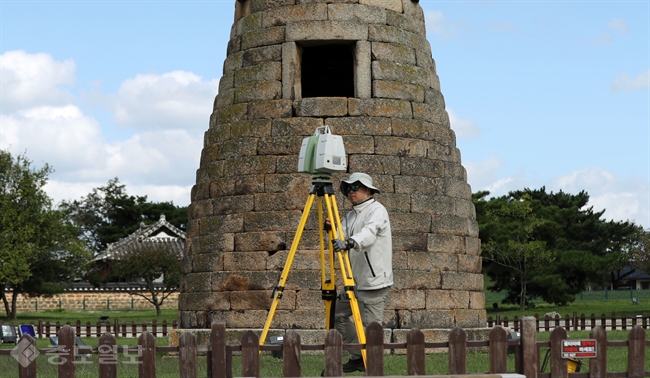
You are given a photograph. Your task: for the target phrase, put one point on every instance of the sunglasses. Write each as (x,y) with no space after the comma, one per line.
(351,188)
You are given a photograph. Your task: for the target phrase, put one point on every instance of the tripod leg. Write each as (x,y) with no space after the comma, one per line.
(328,285)
(348,266)
(346,272)
(277,291)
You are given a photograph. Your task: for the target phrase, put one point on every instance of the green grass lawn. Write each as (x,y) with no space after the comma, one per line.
(619,306)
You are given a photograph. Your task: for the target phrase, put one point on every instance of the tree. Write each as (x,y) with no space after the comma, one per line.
(639,256)
(108,214)
(147,262)
(516,249)
(586,248)
(39,251)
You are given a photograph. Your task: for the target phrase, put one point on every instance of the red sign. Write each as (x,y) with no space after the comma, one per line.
(578,348)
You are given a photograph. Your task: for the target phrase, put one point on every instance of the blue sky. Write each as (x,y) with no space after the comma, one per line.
(540,93)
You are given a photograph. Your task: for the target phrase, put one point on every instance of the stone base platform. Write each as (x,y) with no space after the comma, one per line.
(317,336)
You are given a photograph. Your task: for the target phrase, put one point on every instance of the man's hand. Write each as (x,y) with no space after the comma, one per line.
(340,245)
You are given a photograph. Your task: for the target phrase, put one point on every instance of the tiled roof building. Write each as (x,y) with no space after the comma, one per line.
(156,234)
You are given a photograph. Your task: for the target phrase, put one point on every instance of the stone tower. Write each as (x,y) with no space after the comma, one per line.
(363,67)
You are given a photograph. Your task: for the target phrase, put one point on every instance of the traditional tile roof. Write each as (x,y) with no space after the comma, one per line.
(153,234)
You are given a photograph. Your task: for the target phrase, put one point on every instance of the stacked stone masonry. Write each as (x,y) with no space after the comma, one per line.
(90,301)
(248,197)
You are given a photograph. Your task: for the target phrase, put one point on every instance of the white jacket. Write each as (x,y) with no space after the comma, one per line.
(372,257)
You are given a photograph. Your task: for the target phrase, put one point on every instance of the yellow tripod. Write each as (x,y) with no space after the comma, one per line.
(324,191)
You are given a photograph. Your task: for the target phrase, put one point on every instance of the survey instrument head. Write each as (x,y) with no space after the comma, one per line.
(322,154)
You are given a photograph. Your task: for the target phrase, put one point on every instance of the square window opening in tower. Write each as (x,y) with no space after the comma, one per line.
(328,70)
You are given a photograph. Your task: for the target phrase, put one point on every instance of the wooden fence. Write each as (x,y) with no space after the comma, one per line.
(123,329)
(219,355)
(575,322)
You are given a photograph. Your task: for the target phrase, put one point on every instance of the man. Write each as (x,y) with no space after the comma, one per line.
(370,245)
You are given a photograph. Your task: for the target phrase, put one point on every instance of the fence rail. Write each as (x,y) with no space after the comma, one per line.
(134,329)
(219,354)
(575,322)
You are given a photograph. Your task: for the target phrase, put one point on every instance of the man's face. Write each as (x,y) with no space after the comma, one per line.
(357,193)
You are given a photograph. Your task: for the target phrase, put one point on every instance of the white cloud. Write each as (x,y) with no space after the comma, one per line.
(68,190)
(434,21)
(464,127)
(437,24)
(61,136)
(167,156)
(484,175)
(173,100)
(33,79)
(622,199)
(623,83)
(618,24)
(44,121)
(604,39)
(506,26)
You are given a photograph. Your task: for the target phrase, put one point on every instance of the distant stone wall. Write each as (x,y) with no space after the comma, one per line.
(90,301)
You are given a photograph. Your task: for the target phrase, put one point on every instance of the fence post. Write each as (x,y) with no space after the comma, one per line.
(187,360)
(107,351)
(66,349)
(546,323)
(291,354)
(636,352)
(598,365)
(217,360)
(457,351)
(515,325)
(147,359)
(530,357)
(558,364)
(498,350)
(333,354)
(415,352)
(26,366)
(374,350)
(575,321)
(250,355)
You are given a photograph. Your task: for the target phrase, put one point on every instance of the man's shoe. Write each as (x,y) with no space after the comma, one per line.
(354,365)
